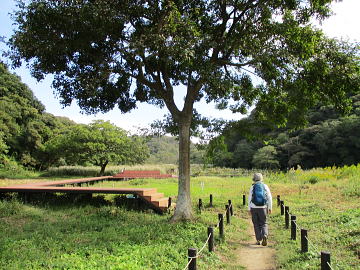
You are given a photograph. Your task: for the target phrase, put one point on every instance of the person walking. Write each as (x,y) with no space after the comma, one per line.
(260,205)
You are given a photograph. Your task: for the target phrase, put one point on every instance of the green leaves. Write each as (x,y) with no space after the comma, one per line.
(97,51)
(98,143)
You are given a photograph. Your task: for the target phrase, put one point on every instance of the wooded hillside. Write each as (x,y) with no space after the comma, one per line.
(35,139)
(329,139)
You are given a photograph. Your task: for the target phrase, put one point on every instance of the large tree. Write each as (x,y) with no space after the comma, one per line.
(107,53)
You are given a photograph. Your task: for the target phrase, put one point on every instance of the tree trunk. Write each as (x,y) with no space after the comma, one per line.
(103,166)
(183,210)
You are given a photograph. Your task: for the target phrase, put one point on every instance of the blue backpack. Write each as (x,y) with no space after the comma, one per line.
(259,194)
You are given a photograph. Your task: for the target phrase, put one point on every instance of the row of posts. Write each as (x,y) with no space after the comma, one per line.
(289,220)
(285,211)
(192,252)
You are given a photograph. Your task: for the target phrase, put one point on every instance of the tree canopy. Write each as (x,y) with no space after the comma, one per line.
(106,53)
(24,125)
(99,144)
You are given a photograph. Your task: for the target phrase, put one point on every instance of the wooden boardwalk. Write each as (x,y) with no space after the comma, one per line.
(155,200)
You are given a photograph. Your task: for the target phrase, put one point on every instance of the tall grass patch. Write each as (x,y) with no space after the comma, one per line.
(93,171)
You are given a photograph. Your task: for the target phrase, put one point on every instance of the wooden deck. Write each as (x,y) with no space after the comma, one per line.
(156,200)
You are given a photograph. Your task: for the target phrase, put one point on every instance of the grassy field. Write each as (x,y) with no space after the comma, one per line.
(67,232)
(326,203)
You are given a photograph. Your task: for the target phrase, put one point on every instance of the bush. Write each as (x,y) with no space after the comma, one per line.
(11,169)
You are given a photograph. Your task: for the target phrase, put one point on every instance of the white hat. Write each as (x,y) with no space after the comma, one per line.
(257,177)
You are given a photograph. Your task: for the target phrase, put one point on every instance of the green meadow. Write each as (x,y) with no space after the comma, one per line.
(111,232)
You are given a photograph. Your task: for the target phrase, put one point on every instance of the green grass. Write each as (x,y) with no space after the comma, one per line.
(329,209)
(61,233)
(69,233)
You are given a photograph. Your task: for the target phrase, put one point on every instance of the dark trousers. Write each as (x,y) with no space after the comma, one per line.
(259,219)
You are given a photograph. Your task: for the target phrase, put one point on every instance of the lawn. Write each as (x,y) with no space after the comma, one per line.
(75,232)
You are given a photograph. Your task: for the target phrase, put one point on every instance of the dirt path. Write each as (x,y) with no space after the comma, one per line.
(252,256)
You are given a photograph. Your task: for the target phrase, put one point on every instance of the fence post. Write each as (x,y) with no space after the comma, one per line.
(282,207)
(211,238)
(278,200)
(169,202)
(227,214)
(325,260)
(231,208)
(192,257)
(304,241)
(287,217)
(221,225)
(200,204)
(244,199)
(293,227)
(211,200)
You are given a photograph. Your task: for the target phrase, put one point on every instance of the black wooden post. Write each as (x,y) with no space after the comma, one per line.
(244,199)
(22,197)
(231,208)
(282,207)
(200,204)
(221,225)
(227,214)
(293,227)
(192,257)
(211,239)
(287,217)
(169,202)
(278,200)
(211,200)
(325,260)
(304,241)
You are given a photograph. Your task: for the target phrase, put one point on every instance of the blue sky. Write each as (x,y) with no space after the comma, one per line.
(344,24)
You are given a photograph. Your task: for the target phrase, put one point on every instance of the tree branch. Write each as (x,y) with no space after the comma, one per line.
(168,93)
(192,92)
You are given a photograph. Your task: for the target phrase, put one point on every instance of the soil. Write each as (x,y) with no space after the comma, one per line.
(251,256)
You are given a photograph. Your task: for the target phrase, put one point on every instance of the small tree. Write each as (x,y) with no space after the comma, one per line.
(243,154)
(99,143)
(265,158)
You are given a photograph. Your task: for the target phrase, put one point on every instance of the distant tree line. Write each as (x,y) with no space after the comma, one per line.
(328,139)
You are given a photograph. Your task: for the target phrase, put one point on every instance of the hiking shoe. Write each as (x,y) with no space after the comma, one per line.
(264,241)
(258,242)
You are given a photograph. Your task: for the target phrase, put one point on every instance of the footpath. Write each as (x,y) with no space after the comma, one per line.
(247,255)
(256,257)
